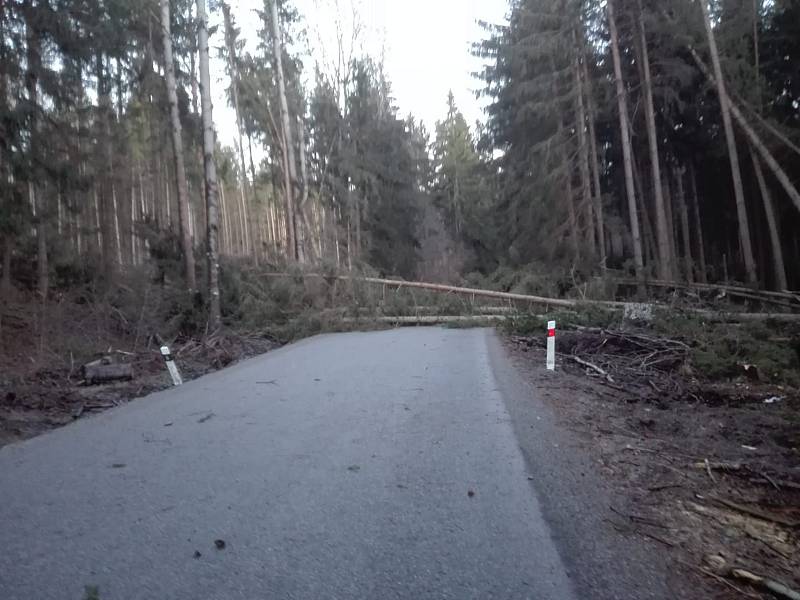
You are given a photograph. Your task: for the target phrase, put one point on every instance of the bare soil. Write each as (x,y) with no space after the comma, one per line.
(708,470)
(35,401)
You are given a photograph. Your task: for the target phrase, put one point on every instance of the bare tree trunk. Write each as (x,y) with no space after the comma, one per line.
(583,160)
(685,233)
(37,200)
(648,236)
(595,164)
(303,208)
(772,224)
(115,211)
(277,45)
(627,152)
(666,267)
(193,66)
(177,145)
(134,256)
(698,225)
(756,52)
(230,43)
(733,153)
(8,250)
(210,168)
(672,230)
(226,221)
(97,224)
(291,229)
(243,216)
(59,212)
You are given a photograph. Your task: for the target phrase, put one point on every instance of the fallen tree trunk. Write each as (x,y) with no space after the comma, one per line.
(547,302)
(779,298)
(753,137)
(429,319)
(450,289)
(770,585)
(96,372)
(560,302)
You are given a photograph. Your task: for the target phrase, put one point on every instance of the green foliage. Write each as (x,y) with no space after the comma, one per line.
(375,168)
(720,350)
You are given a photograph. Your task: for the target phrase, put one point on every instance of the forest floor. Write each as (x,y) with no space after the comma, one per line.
(710,469)
(53,397)
(42,386)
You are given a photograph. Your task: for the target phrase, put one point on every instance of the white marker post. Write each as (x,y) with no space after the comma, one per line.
(551,346)
(171,366)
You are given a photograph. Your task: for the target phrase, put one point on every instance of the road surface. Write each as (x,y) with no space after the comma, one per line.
(367,465)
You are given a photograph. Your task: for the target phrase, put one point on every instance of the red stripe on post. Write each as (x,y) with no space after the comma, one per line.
(551,333)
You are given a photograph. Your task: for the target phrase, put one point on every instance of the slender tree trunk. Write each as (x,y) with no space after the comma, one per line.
(97,223)
(698,226)
(210,168)
(277,45)
(226,222)
(115,215)
(648,236)
(583,159)
(244,222)
(672,229)
(230,43)
(59,212)
(177,146)
(772,224)
(37,200)
(666,267)
(104,167)
(8,251)
(134,256)
(733,153)
(308,229)
(193,66)
(685,231)
(627,152)
(756,51)
(595,164)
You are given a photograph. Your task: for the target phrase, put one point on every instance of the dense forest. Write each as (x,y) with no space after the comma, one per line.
(648,139)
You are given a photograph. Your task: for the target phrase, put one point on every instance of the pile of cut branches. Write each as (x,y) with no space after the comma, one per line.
(632,361)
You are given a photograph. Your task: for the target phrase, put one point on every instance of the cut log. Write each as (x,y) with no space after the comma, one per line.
(96,372)
(429,319)
(731,317)
(762,295)
(775,587)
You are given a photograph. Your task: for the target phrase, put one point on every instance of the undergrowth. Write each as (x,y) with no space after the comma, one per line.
(766,350)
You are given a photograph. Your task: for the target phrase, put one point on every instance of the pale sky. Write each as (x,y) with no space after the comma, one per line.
(426,45)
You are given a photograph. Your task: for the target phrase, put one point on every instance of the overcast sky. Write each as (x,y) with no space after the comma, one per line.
(425,44)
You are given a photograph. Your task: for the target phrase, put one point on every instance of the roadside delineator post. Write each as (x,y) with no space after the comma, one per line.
(171,366)
(551,346)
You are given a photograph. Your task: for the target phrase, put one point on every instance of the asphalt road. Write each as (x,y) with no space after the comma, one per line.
(369,465)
